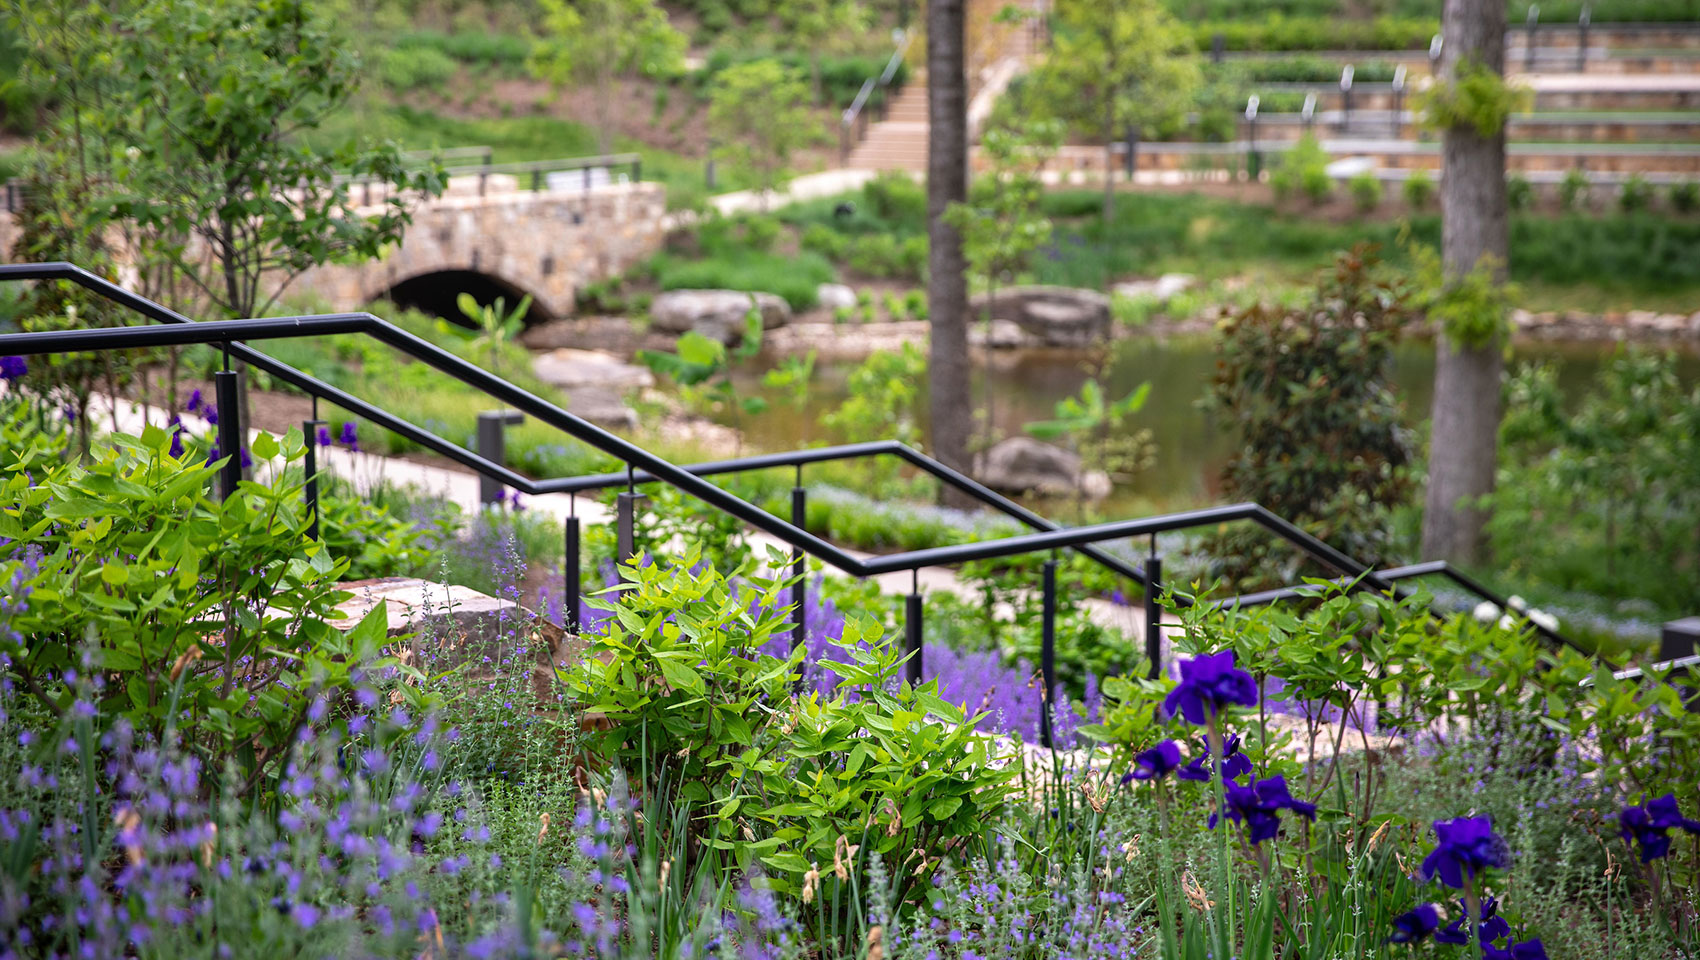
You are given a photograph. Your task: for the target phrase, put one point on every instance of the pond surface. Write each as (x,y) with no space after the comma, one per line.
(1192,448)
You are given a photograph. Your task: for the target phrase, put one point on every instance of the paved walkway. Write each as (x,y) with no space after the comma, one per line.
(827,183)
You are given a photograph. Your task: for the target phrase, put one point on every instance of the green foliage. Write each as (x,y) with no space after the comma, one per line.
(1115,66)
(1685,196)
(1419,190)
(1097,428)
(1326,32)
(1303,169)
(795,278)
(478,48)
(1611,482)
(702,368)
(1636,195)
(759,111)
(212,617)
(1519,193)
(1473,310)
(896,198)
(1573,189)
(1476,97)
(407,68)
(841,75)
(595,42)
(880,404)
(493,325)
(1366,191)
(376,543)
(1306,392)
(1001,224)
(680,677)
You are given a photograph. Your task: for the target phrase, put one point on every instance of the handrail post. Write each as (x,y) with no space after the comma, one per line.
(625,521)
(1534,21)
(912,630)
(570,566)
(799,567)
(492,446)
(310,490)
(1582,38)
(1153,617)
(1048,658)
(230,440)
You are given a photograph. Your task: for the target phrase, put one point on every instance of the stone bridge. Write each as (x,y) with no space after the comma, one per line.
(487,237)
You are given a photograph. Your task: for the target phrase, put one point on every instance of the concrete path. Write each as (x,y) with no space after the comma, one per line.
(826,183)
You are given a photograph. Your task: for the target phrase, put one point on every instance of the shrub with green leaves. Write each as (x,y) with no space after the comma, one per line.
(1573,190)
(1519,193)
(1366,191)
(1636,194)
(1321,442)
(1685,196)
(127,556)
(1418,189)
(692,699)
(1303,169)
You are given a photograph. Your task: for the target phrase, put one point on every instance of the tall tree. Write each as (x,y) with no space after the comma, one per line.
(224,94)
(596,42)
(1118,66)
(951,408)
(759,111)
(1469,358)
(817,26)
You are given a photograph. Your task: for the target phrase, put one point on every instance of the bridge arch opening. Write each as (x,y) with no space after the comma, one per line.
(438,293)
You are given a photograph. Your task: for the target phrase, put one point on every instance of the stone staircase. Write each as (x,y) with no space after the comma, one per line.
(899,141)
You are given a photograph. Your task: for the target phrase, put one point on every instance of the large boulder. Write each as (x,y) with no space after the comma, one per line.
(572,369)
(438,627)
(835,296)
(716,314)
(1051,316)
(1021,465)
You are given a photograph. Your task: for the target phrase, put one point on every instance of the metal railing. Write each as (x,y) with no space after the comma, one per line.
(853,123)
(643,466)
(590,172)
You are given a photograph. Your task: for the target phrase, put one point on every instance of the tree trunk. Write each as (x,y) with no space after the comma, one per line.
(1464,444)
(947,283)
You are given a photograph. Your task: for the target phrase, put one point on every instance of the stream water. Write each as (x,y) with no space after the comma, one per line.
(1192,447)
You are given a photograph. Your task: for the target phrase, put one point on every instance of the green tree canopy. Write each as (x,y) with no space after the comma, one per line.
(759,110)
(596,42)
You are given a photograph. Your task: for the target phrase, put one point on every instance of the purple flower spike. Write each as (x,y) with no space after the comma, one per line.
(195,401)
(11,368)
(177,443)
(1650,826)
(212,414)
(324,436)
(348,437)
(247,459)
(1209,683)
(1155,763)
(1464,847)
(1416,924)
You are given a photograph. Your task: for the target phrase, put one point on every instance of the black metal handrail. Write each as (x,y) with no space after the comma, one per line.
(643,466)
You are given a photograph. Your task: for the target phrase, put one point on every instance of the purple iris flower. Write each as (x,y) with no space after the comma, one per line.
(195,401)
(247,459)
(1650,826)
(212,455)
(1258,806)
(177,442)
(1415,924)
(1464,847)
(1209,683)
(1527,950)
(1234,763)
(11,368)
(1155,763)
(1492,926)
(212,414)
(324,436)
(348,437)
